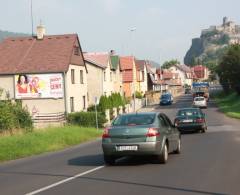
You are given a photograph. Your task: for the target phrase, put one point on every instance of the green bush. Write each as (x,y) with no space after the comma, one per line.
(115,100)
(23,117)
(7,118)
(138,95)
(13,116)
(86,119)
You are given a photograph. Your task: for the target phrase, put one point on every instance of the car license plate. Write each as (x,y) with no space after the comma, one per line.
(126,148)
(187,121)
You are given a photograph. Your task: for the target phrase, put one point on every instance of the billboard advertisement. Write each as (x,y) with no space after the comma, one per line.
(38,86)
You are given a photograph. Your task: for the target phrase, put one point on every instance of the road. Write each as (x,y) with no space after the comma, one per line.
(209,164)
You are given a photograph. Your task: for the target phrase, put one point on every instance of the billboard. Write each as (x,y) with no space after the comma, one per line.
(38,86)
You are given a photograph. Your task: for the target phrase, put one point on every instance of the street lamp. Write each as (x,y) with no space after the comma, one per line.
(132,30)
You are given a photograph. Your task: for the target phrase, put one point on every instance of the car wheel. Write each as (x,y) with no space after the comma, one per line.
(178,150)
(203,130)
(109,160)
(163,157)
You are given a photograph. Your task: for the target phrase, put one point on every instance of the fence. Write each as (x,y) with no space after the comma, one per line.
(47,119)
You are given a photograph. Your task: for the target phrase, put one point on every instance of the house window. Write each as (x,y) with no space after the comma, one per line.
(81,76)
(84,102)
(76,51)
(73,76)
(72,104)
(104,76)
(142,79)
(110,76)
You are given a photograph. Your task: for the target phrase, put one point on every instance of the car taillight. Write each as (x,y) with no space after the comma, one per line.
(200,120)
(106,133)
(152,132)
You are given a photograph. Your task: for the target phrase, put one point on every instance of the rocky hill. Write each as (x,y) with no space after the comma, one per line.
(212,43)
(5,34)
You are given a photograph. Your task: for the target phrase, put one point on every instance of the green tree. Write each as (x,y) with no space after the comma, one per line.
(229,68)
(168,64)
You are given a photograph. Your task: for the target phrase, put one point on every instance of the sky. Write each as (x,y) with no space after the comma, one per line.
(156,30)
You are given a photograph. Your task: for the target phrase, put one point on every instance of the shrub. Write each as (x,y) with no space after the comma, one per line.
(7,118)
(86,119)
(138,95)
(13,116)
(115,100)
(23,117)
(111,114)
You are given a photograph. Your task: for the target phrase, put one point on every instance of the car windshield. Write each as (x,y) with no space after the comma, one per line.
(199,99)
(190,112)
(136,119)
(166,96)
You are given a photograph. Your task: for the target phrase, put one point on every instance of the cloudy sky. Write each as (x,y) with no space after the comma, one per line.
(163,29)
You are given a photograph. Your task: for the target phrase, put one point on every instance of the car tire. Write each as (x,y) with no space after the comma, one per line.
(203,130)
(109,160)
(178,150)
(163,157)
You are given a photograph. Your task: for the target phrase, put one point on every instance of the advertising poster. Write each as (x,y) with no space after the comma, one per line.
(38,86)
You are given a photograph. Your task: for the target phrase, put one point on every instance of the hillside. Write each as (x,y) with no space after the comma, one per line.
(212,43)
(5,34)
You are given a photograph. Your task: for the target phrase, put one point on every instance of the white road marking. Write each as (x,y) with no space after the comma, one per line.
(64,181)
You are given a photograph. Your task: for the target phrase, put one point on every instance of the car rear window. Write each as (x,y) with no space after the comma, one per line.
(138,119)
(188,112)
(199,99)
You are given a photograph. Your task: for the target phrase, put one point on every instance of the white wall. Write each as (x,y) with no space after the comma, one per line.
(143,85)
(7,84)
(94,82)
(76,90)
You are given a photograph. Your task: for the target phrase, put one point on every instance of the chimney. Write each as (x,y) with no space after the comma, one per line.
(40,32)
(112,52)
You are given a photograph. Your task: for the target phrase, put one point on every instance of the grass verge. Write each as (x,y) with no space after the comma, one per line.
(229,104)
(40,141)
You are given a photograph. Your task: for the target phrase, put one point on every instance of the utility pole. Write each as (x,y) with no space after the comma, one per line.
(32,17)
(132,30)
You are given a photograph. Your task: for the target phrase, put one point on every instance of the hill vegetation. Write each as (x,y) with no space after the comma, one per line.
(5,34)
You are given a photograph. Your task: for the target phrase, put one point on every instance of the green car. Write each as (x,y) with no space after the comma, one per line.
(190,119)
(140,134)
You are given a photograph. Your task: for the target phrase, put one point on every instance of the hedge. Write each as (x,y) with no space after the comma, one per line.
(86,119)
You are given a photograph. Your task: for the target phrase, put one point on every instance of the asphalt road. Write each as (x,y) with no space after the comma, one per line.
(209,164)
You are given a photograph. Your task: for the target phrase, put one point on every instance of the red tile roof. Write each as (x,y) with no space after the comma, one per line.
(127,76)
(126,63)
(199,71)
(99,58)
(140,64)
(28,55)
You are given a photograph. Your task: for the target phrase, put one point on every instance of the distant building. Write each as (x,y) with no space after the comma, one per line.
(104,75)
(201,72)
(128,68)
(141,76)
(184,72)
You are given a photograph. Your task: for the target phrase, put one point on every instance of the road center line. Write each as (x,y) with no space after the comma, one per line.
(64,181)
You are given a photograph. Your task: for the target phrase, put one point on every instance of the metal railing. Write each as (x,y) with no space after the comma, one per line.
(49,117)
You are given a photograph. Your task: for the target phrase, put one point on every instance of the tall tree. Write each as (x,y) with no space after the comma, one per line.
(169,63)
(229,68)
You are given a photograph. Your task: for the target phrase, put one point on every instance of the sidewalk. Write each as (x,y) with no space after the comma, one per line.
(147,108)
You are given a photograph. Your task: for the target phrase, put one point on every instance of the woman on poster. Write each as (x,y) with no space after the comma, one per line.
(22,84)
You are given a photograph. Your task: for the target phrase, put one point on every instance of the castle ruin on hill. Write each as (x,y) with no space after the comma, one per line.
(227,27)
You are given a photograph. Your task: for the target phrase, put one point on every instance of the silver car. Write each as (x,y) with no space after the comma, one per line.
(140,134)
(200,102)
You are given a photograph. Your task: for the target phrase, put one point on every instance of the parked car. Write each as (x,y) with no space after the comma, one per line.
(187,91)
(190,119)
(200,102)
(166,99)
(140,134)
